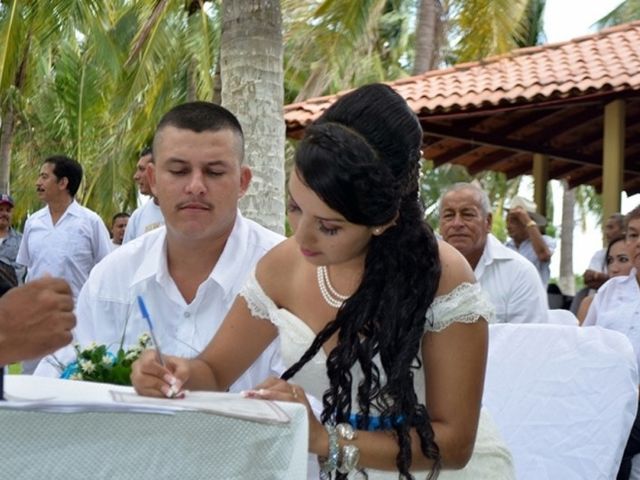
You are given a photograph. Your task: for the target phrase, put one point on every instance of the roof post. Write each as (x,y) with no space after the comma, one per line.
(612,156)
(540,181)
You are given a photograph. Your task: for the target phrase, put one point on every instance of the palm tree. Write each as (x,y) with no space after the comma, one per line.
(28,30)
(112,71)
(428,36)
(479,28)
(251,67)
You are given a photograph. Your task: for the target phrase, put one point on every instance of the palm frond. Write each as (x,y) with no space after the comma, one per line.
(627,11)
(485,27)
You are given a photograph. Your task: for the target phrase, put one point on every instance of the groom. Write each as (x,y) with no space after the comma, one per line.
(190,270)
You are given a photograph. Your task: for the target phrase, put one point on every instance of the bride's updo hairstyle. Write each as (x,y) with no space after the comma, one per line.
(361,157)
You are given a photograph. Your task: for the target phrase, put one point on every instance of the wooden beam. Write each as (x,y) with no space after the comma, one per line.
(540,180)
(520,169)
(453,153)
(570,122)
(562,171)
(529,118)
(500,142)
(489,161)
(612,156)
(584,178)
(590,142)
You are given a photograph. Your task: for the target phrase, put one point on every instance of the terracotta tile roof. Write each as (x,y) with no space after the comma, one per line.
(608,61)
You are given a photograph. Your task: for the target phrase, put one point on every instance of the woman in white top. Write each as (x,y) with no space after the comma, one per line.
(374,316)
(618,265)
(617,306)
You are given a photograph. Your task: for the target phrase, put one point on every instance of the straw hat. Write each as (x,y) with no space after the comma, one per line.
(529,207)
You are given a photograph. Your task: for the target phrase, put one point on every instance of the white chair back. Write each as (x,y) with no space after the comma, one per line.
(564,398)
(560,316)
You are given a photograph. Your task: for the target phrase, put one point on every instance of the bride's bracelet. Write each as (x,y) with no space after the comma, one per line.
(343,459)
(350,454)
(330,463)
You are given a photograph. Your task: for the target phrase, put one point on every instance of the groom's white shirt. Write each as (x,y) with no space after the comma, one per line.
(107,304)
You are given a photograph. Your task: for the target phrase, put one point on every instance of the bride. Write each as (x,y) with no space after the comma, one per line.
(376,317)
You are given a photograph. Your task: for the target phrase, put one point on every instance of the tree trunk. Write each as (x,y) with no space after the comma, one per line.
(8,120)
(217,83)
(566,282)
(428,36)
(251,64)
(6,139)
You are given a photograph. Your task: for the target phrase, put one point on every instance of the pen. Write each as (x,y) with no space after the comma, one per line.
(173,391)
(145,315)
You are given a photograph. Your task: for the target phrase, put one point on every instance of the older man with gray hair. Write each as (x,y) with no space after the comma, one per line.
(511,282)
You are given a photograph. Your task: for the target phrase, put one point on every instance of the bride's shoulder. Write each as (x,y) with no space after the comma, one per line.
(455,270)
(276,270)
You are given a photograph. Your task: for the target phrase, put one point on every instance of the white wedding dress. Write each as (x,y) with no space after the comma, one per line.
(490,460)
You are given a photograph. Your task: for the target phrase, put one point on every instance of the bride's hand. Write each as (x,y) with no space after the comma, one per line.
(278,389)
(151,379)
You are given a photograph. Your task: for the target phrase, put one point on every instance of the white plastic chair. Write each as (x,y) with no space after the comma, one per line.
(560,316)
(635,468)
(564,398)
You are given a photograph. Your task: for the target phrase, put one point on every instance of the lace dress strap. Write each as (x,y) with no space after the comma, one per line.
(258,302)
(466,303)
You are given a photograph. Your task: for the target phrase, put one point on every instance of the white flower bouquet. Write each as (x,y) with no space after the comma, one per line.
(95,363)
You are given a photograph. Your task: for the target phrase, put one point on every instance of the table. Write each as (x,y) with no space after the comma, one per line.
(124,445)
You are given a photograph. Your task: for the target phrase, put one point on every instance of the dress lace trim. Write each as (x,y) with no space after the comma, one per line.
(465,304)
(258,302)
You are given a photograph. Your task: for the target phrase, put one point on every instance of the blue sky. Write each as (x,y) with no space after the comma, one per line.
(566,19)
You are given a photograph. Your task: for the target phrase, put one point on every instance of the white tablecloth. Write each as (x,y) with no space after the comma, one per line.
(118,445)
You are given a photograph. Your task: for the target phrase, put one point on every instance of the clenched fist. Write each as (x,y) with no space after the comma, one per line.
(35,319)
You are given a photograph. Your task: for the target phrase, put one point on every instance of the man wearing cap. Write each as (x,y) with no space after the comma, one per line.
(9,245)
(148,216)
(510,281)
(524,225)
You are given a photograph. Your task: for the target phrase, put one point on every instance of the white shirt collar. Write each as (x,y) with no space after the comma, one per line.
(154,263)
(224,273)
(493,250)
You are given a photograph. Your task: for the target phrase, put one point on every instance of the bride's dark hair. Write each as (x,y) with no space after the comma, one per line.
(361,157)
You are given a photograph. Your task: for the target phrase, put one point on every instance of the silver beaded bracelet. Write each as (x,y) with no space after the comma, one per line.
(349,458)
(350,454)
(330,463)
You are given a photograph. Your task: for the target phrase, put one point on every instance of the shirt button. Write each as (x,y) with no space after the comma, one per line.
(187,314)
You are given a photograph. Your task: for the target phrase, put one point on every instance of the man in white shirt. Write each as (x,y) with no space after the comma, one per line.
(118,227)
(189,271)
(616,306)
(63,239)
(596,273)
(510,281)
(148,216)
(525,226)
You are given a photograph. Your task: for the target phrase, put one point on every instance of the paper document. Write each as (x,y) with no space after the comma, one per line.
(67,406)
(226,404)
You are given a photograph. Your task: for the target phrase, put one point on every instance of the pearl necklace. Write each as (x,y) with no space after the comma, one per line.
(333,298)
